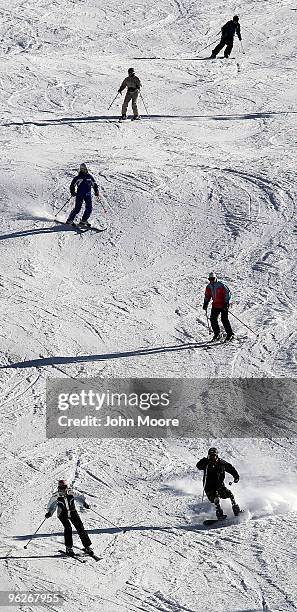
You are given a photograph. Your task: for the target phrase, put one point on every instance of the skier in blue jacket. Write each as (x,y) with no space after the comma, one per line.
(81,188)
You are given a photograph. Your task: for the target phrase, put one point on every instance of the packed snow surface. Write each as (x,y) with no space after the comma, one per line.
(206,181)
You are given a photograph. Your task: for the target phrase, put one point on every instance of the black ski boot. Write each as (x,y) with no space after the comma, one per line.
(84,224)
(216,337)
(220,514)
(89,550)
(69,551)
(236,509)
(229,337)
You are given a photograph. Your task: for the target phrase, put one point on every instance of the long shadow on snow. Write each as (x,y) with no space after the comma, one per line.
(33,232)
(111,118)
(7,558)
(46,361)
(115,530)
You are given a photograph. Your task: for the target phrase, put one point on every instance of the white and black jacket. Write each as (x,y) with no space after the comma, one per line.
(65,502)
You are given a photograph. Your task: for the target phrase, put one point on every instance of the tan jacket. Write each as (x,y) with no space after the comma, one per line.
(131,82)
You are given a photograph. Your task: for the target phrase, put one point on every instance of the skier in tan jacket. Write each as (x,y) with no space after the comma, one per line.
(133,85)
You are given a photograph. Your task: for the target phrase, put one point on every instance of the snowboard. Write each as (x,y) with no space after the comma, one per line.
(226,520)
(215,520)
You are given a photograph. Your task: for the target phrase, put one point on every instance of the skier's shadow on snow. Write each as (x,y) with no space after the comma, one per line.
(52,361)
(150,117)
(116,530)
(8,557)
(37,231)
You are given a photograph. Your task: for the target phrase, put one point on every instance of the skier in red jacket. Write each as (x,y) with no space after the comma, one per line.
(220,295)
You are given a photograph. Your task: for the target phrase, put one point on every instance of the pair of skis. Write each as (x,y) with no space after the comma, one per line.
(121,120)
(81,228)
(222,340)
(80,557)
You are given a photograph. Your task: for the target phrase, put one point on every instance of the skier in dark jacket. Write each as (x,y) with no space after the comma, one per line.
(81,188)
(213,481)
(229,30)
(133,84)
(220,295)
(64,501)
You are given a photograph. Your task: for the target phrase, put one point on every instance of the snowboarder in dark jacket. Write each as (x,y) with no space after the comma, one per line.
(213,480)
(81,188)
(64,502)
(228,30)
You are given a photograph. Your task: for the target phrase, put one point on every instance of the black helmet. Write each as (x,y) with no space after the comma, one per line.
(131,71)
(235,18)
(213,451)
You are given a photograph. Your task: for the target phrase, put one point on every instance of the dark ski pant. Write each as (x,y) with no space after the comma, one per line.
(79,200)
(228,41)
(130,95)
(222,492)
(224,318)
(76,521)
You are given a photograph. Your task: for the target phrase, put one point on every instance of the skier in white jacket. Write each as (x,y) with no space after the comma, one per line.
(63,501)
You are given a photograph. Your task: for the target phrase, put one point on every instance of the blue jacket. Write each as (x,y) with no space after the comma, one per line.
(230,29)
(82,185)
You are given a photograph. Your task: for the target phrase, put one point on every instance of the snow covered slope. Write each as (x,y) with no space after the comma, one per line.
(205,182)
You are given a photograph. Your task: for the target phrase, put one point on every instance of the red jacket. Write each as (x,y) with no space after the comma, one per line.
(219,293)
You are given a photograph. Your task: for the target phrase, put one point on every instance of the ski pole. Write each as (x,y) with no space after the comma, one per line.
(242,323)
(207,47)
(26,545)
(104,209)
(209,330)
(63,206)
(113,101)
(99,198)
(204,481)
(243,51)
(144,104)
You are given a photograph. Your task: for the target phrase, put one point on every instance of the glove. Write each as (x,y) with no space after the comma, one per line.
(120,91)
(204,306)
(236,479)
(87,506)
(48,515)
